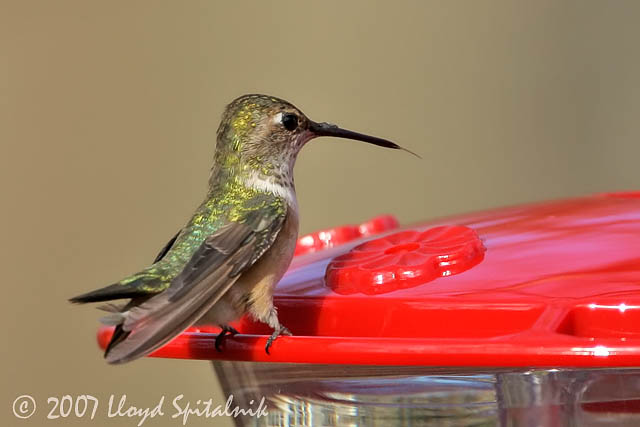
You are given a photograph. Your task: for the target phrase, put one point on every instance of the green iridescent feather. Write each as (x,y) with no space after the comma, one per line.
(233,204)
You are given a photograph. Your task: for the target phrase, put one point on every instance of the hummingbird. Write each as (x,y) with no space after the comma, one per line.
(225,262)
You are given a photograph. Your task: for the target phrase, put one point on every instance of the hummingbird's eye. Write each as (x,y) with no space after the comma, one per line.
(290,121)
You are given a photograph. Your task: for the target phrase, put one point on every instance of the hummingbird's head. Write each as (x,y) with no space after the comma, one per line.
(263,128)
(265,133)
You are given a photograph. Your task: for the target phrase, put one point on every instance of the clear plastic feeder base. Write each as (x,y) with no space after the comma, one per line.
(339,395)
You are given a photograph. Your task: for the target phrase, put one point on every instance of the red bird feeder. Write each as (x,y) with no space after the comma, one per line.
(497,316)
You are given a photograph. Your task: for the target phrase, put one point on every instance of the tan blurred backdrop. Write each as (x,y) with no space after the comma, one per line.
(108,114)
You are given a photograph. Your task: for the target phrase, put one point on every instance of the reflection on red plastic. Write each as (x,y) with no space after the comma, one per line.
(336,236)
(405,259)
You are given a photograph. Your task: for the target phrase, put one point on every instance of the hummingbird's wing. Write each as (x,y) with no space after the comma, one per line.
(166,247)
(211,271)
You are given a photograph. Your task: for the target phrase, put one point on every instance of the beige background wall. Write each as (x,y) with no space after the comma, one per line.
(108,113)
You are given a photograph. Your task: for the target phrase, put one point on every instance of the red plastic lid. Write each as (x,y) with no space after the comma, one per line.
(544,285)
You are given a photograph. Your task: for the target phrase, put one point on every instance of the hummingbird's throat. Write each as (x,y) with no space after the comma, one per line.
(281,186)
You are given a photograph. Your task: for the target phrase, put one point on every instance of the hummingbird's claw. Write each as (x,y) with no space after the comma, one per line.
(279,331)
(226,330)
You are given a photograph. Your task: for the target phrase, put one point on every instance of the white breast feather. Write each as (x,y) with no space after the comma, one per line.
(261,184)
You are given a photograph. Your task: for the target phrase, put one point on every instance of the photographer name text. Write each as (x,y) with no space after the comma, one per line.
(88,407)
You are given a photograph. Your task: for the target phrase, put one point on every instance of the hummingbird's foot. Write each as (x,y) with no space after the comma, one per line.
(226,330)
(280,330)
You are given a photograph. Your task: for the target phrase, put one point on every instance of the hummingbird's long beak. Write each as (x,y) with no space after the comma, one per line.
(328,129)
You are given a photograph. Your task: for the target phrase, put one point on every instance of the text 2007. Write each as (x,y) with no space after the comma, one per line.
(79,406)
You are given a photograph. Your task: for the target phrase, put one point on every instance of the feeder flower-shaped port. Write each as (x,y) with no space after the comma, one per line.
(404,260)
(331,237)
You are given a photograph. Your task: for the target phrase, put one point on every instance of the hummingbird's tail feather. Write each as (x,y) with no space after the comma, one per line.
(137,288)
(140,286)
(159,319)
(117,313)
(155,322)
(119,335)
(108,293)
